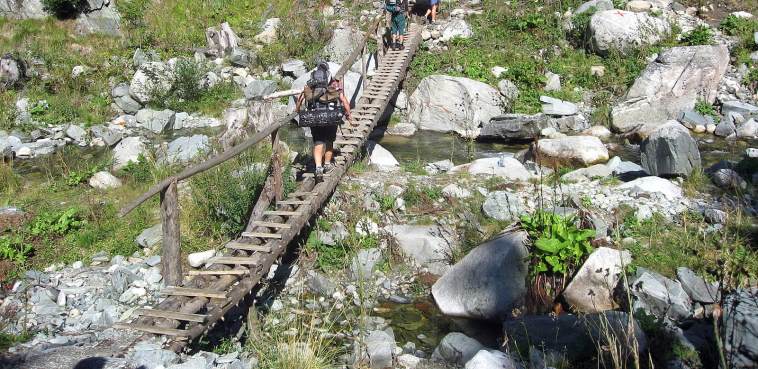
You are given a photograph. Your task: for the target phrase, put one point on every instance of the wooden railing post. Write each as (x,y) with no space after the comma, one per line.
(171,258)
(363,67)
(276,167)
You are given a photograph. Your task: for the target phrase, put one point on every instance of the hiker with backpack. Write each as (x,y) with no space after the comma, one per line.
(325,106)
(396,8)
(433,6)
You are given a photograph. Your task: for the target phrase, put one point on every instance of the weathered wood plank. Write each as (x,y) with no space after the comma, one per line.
(219,272)
(261,223)
(171,262)
(261,235)
(193,292)
(233,260)
(247,247)
(282,213)
(153,329)
(200,318)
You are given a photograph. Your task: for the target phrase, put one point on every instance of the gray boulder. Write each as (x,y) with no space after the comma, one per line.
(152,79)
(320,284)
(157,121)
(670,151)
(427,246)
(514,127)
(672,84)
(503,206)
(129,149)
(591,290)
(735,106)
(697,288)
(141,57)
(380,348)
(491,359)
(725,128)
(456,28)
(127,104)
(625,31)
(692,119)
(342,44)
(457,349)
(151,356)
(509,90)
(364,262)
(12,71)
(577,337)
(728,179)
(660,296)
(104,181)
(240,57)
(740,330)
(76,133)
(150,237)
(599,5)
(109,136)
(488,282)
(100,16)
(22,9)
(748,129)
(454,104)
(553,106)
(186,149)
(294,68)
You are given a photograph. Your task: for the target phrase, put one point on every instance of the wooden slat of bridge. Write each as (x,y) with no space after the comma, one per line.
(267,235)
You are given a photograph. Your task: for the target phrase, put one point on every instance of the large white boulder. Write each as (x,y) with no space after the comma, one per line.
(427,246)
(456,28)
(591,290)
(381,158)
(454,104)
(488,282)
(624,31)
(269,33)
(647,186)
(491,359)
(185,149)
(151,80)
(672,84)
(129,149)
(575,150)
(506,167)
(344,40)
(104,181)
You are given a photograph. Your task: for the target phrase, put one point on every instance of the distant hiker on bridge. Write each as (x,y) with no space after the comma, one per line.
(433,6)
(326,105)
(397,8)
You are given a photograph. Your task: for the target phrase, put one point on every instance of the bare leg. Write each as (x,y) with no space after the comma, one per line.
(329,154)
(434,13)
(318,154)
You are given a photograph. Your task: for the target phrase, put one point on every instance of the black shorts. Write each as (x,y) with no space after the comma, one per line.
(324,135)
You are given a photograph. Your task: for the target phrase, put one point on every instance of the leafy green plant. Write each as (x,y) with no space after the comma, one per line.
(56,223)
(386,202)
(14,249)
(701,35)
(559,246)
(139,171)
(706,109)
(75,177)
(580,23)
(414,167)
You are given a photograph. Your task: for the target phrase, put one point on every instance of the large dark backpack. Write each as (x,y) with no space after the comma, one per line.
(323,106)
(392,6)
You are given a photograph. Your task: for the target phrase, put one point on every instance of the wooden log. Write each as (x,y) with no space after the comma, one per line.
(171,259)
(193,292)
(277,185)
(259,223)
(200,318)
(231,260)
(219,272)
(153,329)
(260,235)
(247,247)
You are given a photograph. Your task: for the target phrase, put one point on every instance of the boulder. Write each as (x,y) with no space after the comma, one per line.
(670,151)
(342,44)
(503,206)
(151,80)
(380,347)
(660,296)
(453,104)
(364,262)
(624,31)
(381,158)
(269,33)
(141,57)
(221,41)
(12,71)
(101,16)
(572,150)
(514,127)
(588,174)
(697,288)
(552,82)
(157,121)
(457,349)
(104,181)
(672,84)
(259,88)
(76,133)
(578,337)
(427,246)
(128,150)
(739,107)
(127,104)
(553,106)
(401,129)
(741,328)
(198,259)
(598,5)
(320,284)
(150,237)
(728,179)
(692,119)
(22,9)
(453,191)
(748,129)
(591,290)
(488,282)
(151,356)
(647,186)
(509,90)
(491,359)
(109,136)
(505,167)
(186,149)
(294,68)
(240,57)
(725,128)
(456,28)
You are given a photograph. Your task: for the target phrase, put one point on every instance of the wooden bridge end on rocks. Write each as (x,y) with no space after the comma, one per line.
(196,303)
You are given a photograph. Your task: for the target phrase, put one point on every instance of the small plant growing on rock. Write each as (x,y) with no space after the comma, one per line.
(706,109)
(559,245)
(701,35)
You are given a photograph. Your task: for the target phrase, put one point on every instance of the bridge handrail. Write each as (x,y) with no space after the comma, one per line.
(259,136)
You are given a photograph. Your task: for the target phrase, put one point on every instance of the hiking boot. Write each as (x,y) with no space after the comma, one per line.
(328,167)
(400,46)
(319,173)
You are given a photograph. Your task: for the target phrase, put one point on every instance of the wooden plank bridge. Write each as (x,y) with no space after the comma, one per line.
(196,302)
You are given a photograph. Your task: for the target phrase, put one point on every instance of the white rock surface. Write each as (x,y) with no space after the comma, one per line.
(198,259)
(506,167)
(104,181)
(381,158)
(624,31)
(578,150)
(150,79)
(591,290)
(129,149)
(646,186)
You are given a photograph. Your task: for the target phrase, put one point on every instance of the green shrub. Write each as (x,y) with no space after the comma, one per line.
(56,223)
(132,11)
(701,35)
(65,8)
(706,109)
(580,23)
(139,171)
(559,246)
(13,248)
(743,29)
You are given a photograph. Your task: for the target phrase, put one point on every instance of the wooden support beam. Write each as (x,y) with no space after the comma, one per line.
(200,318)
(293,202)
(193,292)
(282,213)
(171,262)
(276,167)
(260,223)
(260,235)
(233,260)
(247,247)
(153,329)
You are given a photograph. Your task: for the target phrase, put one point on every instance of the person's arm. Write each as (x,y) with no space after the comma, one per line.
(299,102)
(346,105)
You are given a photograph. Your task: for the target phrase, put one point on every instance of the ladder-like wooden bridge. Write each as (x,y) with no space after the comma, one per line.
(197,301)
